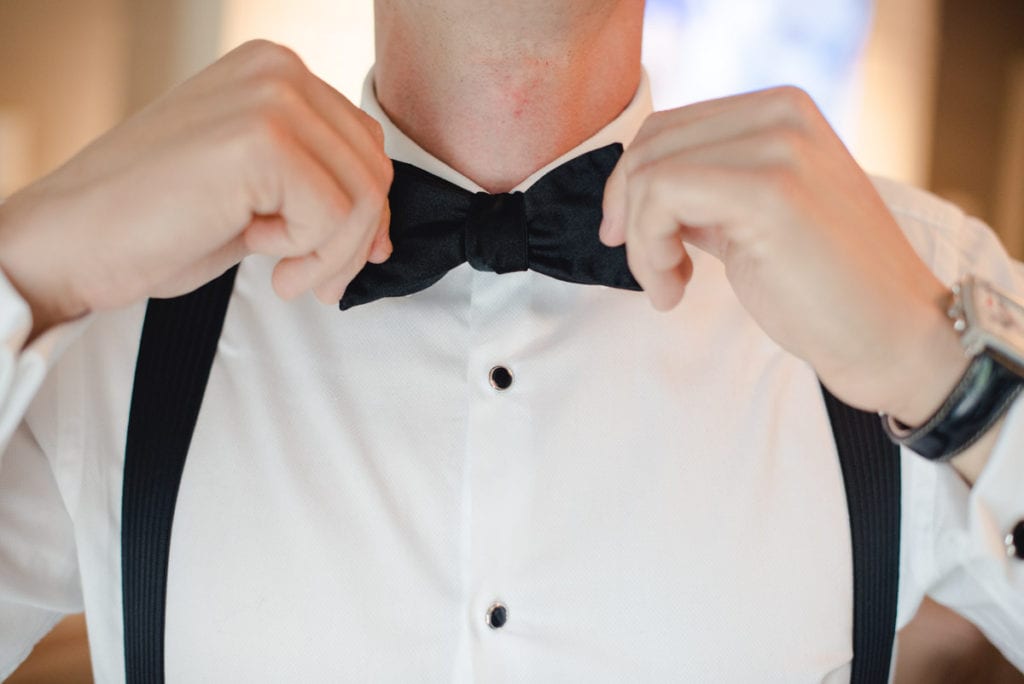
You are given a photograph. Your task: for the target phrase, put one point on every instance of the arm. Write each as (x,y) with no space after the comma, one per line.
(812,251)
(819,260)
(253,155)
(39,580)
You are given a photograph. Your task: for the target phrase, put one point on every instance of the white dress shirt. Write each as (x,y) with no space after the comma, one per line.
(657,497)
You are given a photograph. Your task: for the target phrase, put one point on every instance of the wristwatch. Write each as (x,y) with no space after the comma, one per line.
(991,327)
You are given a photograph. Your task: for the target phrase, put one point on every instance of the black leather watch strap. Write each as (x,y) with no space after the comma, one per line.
(981,397)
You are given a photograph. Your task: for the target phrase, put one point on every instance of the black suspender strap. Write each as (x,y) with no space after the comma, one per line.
(871,474)
(179,341)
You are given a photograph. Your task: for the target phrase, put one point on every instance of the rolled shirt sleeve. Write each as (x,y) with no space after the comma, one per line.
(39,580)
(954,535)
(23,368)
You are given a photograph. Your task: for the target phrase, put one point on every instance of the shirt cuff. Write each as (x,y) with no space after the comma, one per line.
(975,522)
(996,501)
(24,367)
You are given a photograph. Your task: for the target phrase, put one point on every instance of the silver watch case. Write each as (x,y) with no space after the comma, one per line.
(990,320)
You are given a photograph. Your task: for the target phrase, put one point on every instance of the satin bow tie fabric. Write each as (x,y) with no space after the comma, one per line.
(551,229)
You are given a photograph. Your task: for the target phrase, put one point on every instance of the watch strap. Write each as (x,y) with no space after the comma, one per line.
(982,396)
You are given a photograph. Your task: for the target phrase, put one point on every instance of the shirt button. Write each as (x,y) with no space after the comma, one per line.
(497,616)
(501,378)
(1015,542)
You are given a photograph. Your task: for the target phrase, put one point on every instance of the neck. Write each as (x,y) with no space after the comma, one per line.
(496,92)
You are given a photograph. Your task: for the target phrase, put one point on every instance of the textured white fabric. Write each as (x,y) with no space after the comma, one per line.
(656,498)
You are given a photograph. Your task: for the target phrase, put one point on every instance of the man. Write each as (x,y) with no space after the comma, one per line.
(499,477)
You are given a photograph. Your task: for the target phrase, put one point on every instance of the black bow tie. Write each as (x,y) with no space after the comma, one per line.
(551,228)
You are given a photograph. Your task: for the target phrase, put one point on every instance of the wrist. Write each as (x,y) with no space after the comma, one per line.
(35,270)
(990,328)
(930,363)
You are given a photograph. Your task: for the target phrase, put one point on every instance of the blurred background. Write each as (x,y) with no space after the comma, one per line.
(930,92)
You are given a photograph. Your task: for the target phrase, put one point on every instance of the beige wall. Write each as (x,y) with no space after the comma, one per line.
(169,40)
(70,69)
(1009,201)
(59,67)
(898,90)
(977,125)
(335,38)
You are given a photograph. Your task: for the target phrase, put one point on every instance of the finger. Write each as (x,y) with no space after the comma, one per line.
(331,291)
(263,233)
(668,287)
(291,184)
(672,195)
(331,283)
(279,80)
(328,270)
(664,289)
(362,131)
(772,148)
(347,152)
(338,260)
(666,253)
(637,257)
(613,206)
(662,264)
(728,117)
(381,248)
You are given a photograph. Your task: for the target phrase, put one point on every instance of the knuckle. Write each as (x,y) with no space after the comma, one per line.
(632,158)
(328,294)
(274,93)
(778,184)
(322,222)
(653,126)
(639,176)
(265,134)
(787,144)
(372,192)
(267,56)
(642,151)
(375,196)
(376,130)
(255,141)
(654,180)
(795,99)
(336,210)
(654,123)
(389,173)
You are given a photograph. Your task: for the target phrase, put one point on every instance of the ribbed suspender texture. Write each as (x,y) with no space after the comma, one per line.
(179,341)
(871,474)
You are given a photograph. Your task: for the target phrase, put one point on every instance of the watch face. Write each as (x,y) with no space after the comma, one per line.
(1002,320)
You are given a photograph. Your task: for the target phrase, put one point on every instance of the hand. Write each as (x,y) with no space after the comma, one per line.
(763,183)
(255,154)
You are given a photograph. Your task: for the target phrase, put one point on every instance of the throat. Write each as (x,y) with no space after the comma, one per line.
(497,110)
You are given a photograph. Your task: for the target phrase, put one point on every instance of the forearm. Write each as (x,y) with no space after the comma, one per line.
(932,366)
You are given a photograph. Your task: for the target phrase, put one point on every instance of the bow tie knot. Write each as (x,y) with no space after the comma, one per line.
(496,236)
(551,229)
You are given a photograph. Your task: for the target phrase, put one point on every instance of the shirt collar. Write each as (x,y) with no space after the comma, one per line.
(401,147)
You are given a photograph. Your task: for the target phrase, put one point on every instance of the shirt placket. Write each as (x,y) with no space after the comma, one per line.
(498,478)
